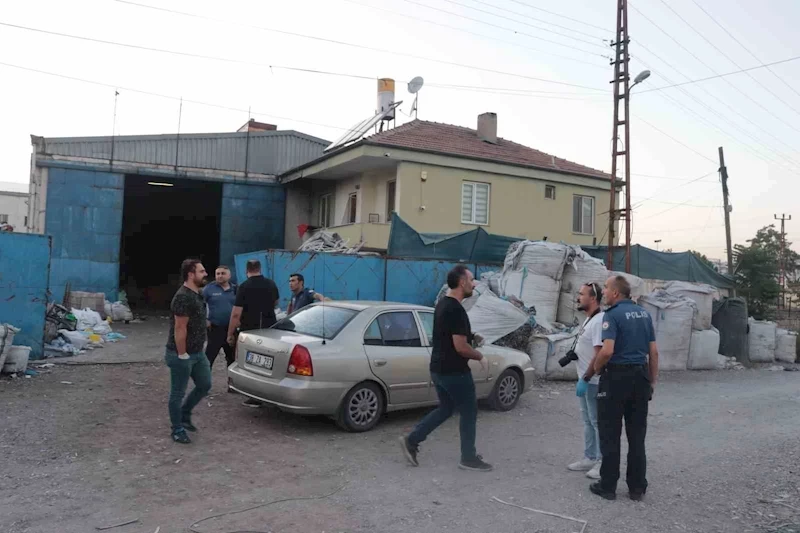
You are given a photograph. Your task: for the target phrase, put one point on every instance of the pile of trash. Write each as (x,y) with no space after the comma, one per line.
(324,241)
(768,343)
(91,331)
(13,359)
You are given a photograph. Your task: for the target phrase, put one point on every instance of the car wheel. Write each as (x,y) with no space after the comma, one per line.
(506,392)
(362,408)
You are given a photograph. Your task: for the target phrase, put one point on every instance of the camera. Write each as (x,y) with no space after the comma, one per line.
(567,359)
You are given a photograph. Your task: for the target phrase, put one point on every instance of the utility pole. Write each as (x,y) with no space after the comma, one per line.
(781,280)
(723,171)
(621,92)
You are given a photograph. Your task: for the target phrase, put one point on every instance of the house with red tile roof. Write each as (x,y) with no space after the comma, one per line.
(442,178)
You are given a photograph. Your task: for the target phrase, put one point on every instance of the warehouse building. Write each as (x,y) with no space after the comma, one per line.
(125,211)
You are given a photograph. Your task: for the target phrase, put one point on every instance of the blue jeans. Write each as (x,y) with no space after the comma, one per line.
(197,368)
(456,392)
(591,438)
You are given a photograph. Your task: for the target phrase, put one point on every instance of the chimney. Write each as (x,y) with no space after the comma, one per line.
(487,127)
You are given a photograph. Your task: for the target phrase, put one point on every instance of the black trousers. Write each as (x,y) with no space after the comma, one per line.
(624,393)
(218,338)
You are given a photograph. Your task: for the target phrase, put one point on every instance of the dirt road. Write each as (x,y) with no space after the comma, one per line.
(88,446)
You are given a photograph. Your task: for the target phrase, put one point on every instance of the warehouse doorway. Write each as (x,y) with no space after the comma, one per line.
(164,221)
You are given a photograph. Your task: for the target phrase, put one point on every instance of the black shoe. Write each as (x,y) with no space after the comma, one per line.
(476,465)
(188,426)
(181,437)
(637,495)
(596,488)
(409,451)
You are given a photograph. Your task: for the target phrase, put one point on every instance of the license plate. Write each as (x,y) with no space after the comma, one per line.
(256,359)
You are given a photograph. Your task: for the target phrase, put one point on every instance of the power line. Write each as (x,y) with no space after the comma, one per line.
(506,91)
(689,182)
(358,46)
(562,16)
(662,132)
(712,69)
(462,30)
(729,58)
(479,21)
(747,49)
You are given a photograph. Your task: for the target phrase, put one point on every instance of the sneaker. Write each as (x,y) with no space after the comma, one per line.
(181,437)
(409,451)
(477,465)
(251,402)
(188,426)
(596,488)
(584,465)
(594,473)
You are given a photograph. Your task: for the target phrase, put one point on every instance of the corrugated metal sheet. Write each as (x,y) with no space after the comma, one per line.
(84,217)
(252,218)
(271,152)
(24,278)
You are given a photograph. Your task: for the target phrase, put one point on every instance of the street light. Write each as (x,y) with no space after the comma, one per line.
(643,75)
(657,241)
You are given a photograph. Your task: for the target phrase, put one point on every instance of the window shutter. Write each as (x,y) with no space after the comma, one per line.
(588,215)
(467,191)
(482,203)
(577,207)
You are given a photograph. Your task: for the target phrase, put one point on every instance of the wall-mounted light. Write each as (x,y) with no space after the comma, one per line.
(160,184)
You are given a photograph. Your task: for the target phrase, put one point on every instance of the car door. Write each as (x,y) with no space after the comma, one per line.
(396,355)
(479,375)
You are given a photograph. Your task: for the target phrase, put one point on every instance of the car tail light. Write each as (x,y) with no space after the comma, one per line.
(300,362)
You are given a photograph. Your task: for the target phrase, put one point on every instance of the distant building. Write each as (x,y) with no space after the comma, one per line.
(14,205)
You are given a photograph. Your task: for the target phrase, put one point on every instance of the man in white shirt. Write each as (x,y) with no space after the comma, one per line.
(587,346)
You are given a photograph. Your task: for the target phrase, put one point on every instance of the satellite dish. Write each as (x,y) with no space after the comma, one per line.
(415,85)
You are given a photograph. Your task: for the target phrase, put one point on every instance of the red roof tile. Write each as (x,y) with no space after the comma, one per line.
(459,141)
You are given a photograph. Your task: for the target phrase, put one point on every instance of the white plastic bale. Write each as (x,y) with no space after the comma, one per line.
(537,291)
(638,285)
(761,340)
(492,317)
(785,346)
(7,332)
(584,269)
(493,280)
(540,258)
(704,350)
(672,318)
(701,294)
(546,350)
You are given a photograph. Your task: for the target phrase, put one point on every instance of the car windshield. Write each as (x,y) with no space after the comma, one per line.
(318,320)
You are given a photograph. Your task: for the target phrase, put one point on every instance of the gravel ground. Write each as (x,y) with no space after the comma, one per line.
(88,446)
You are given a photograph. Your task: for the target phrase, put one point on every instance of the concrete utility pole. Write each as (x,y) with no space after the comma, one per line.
(781,280)
(723,171)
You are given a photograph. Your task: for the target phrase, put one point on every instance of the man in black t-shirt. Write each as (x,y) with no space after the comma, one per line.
(185,356)
(450,373)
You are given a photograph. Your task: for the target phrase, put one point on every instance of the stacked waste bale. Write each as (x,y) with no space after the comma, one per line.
(785,346)
(583,269)
(762,340)
(705,339)
(672,319)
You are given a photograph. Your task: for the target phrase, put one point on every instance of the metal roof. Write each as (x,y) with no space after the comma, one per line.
(271,152)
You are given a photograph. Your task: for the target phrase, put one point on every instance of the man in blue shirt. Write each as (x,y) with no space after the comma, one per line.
(220,296)
(301,296)
(628,367)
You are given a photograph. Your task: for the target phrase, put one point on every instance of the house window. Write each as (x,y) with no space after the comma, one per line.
(352,209)
(326,211)
(550,192)
(583,215)
(475,203)
(391,193)
(3,219)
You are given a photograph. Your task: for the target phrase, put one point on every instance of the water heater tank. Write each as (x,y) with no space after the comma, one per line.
(386,97)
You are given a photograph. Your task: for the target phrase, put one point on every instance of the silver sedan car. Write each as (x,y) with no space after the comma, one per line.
(354,361)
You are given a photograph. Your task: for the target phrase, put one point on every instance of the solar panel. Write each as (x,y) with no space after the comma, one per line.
(359,130)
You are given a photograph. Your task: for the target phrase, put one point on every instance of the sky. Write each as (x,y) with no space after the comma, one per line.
(541,65)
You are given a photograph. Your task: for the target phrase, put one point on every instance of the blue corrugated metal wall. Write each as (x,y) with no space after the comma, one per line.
(252,218)
(84,217)
(24,279)
(352,277)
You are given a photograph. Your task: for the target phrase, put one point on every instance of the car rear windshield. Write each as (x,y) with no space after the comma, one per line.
(318,320)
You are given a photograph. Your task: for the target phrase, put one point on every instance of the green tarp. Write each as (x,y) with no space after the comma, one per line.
(478,246)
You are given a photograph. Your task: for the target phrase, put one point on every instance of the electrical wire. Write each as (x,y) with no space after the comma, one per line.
(548,22)
(712,69)
(506,91)
(454,28)
(726,56)
(746,49)
(662,132)
(562,16)
(673,187)
(358,46)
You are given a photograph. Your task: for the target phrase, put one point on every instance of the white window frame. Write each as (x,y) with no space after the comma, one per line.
(326,215)
(475,185)
(550,188)
(594,214)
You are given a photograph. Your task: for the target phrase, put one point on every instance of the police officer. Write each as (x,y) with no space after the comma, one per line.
(626,386)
